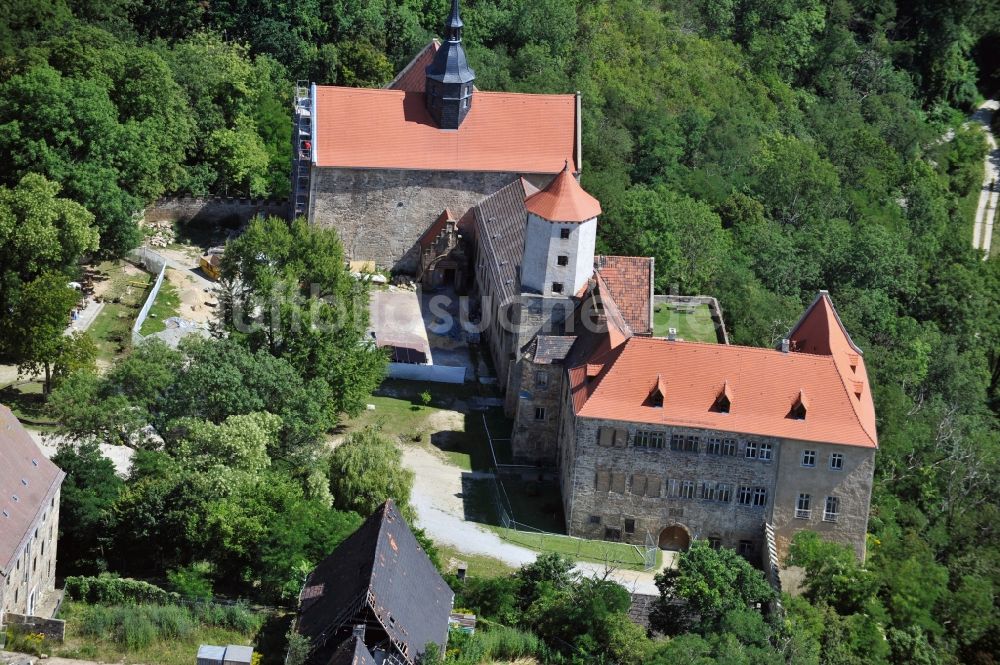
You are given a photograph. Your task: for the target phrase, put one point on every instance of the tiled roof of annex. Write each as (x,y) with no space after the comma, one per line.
(389,128)
(28,481)
(629,279)
(762,384)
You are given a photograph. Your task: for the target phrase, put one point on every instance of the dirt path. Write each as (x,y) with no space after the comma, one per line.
(23,659)
(437,499)
(982,230)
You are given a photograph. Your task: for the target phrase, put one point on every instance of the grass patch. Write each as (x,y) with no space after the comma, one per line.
(695,325)
(112,328)
(27,402)
(162,634)
(400,412)
(478,565)
(167,304)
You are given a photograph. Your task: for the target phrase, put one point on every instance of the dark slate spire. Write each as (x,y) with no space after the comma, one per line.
(448,88)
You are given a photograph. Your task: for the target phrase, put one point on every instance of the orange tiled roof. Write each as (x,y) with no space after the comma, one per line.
(413,77)
(564,200)
(390,129)
(762,384)
(629,279)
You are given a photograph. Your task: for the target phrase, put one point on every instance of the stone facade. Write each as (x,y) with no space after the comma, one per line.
(381,213)
(535,437)
(27,586)
(213,210)
(614,487)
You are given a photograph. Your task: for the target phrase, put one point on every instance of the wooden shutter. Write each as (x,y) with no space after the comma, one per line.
(638,484)
(621,438)
(605,437)
(618,482)
(653,486)
(603,480)
(741,448)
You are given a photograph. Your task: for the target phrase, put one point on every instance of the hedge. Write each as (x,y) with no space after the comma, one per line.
(107,589)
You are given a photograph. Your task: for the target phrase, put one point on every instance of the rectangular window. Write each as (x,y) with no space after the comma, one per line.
(612,534)
(751,450)
(639,484)
(802,510)
(541,379)
(539,413)
(692,443)
(595,519)
(603,482)
(564,233)
(808,458)
(648,439)
(765,452)
(745,548)
(744,497)
(562,260)
(723,492)
(673,489)
(714,446)
(687,489)
(606,437)
(832,509)
(557,287)
(759,497)
(676,442)
(621,438)
(714,542)
(729,447)
(837,461)
(653,487)
(618,483)
(629,526)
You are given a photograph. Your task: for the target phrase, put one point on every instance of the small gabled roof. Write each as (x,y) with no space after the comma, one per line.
(352,652)
(383,565)
(430,235)
(28,482)
(564,200)
(629,281)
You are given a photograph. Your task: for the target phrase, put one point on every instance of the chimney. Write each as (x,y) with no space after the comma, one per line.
(785,346)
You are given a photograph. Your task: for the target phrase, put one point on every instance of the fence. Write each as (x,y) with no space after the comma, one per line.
(152,262)
(581,548)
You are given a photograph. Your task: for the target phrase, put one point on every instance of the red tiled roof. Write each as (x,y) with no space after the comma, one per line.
(762,384)
(27,474)
(629,279)
(564,200)
(386,128)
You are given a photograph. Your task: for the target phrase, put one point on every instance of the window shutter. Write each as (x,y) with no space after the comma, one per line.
(618,483)
(653,486)
(639,484)
(741,448)
(621,438)
(603,481)
(605,436)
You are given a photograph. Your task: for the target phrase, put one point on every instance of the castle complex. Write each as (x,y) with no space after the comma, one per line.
(652,437)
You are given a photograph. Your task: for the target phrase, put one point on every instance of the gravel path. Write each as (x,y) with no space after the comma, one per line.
(982,230)
(437,499)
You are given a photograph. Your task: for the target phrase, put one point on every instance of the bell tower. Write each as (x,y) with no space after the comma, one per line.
(448,88)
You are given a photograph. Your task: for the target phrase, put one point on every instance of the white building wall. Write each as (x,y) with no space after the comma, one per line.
(544,244)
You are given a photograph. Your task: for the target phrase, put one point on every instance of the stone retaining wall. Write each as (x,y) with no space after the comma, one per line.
(213,210)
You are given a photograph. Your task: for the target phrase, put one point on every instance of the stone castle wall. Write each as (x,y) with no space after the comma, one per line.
(381,213)
(213,210)
(535,441)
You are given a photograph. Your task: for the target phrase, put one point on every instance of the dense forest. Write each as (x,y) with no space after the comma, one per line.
(758,149)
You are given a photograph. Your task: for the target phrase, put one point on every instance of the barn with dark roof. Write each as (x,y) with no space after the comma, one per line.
(379,591)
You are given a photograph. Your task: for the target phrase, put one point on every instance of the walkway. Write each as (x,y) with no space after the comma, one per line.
(982,229)
(437,500)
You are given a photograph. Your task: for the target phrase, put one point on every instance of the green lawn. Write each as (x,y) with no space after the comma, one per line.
(693,326)
(28,403)
(478,565)
(400,412)
(167,304)
(112,329)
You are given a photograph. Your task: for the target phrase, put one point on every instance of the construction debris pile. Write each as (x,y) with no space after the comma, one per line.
(161,233)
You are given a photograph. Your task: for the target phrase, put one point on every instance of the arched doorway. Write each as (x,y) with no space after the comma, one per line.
(675,537)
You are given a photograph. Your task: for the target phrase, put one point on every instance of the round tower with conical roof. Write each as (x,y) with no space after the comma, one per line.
(560,237)
(448,87)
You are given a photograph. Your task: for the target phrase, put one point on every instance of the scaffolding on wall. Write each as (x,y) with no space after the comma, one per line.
(303,147)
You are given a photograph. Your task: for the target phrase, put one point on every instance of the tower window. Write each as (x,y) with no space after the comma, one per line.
(562,260)
(564,233)
(557,287)
(539,413)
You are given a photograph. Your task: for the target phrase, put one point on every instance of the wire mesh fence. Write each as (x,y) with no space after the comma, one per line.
(519,533)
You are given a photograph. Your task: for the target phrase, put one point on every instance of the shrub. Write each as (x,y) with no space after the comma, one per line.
(108,589)
(192,581)
(136,629)
(425,398)
(171,621)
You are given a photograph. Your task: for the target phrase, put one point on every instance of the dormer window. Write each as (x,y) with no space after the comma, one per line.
(724,400)
(658,392)
(799,407)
